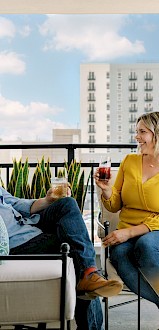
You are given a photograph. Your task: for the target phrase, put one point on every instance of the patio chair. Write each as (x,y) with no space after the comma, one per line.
(37,291)
(107,222)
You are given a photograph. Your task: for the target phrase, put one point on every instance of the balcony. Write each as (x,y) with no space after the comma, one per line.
(133,98)
(118,309)
(133,109)
(132,88)
(132,120)
(148,77)
(148,99)
(132,77)
(148,88)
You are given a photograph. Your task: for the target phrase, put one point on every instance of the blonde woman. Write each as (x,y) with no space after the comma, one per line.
(135,244)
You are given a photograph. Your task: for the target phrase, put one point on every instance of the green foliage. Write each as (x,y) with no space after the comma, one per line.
(76,178)
(41,180)
(40,183)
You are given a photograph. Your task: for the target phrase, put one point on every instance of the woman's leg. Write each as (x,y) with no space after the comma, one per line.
(123,259)
(147,255)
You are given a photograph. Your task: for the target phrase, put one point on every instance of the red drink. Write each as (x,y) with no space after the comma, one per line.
(104,173)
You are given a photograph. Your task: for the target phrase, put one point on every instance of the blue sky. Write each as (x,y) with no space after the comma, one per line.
(40,57)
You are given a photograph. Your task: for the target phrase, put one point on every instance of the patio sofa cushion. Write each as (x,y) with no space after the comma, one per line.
(29,291)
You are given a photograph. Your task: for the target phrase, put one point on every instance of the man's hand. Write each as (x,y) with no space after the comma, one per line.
(50,194)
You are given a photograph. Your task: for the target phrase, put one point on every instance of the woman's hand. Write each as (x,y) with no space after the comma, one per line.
(116,237)
(103,184)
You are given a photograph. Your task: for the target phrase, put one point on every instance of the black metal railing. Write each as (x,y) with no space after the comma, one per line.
(70,156)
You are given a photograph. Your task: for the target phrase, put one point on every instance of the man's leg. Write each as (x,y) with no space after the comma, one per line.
(88,313)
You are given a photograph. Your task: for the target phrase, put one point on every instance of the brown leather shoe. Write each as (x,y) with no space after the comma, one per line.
(94,285)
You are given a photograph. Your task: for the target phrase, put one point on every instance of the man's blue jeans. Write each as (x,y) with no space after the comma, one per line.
(141,253)
(62,222)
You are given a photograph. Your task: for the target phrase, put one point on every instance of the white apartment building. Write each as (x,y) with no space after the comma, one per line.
(112,97)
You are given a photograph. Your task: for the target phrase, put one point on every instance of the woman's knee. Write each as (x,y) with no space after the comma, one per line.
(117,253)
(145,246)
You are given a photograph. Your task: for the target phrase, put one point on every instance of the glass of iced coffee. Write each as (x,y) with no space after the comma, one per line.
(59,186)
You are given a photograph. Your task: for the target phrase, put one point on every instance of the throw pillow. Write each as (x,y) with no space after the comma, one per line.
(4,239)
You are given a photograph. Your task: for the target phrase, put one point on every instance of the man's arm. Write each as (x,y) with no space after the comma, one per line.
(42,203)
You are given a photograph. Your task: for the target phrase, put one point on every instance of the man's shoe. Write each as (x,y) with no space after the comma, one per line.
(95,285)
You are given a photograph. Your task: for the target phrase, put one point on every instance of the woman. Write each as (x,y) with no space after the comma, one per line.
(135,244)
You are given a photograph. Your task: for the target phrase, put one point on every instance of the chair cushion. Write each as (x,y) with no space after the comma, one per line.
(4,239)
(30,291)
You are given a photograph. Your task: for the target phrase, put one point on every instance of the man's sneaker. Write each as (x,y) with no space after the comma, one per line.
(94,285)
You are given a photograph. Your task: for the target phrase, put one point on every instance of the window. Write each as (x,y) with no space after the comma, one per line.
(91,139)
(91,76)
(91,118)
(108,117)
(108,106)
(91,129)
(119,75)
(91,107)
(107,75)
(91,97)
(91,150)
(91,86)
(108,128)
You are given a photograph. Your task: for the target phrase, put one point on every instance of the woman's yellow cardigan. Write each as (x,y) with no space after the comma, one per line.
(138,202)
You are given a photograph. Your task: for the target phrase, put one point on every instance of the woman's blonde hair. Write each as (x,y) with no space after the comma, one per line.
(151,121)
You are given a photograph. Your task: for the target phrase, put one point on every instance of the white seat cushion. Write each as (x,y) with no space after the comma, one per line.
(30,291)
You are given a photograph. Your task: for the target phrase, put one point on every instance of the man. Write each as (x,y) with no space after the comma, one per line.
(40,226)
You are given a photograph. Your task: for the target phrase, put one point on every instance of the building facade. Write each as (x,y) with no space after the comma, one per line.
(112,97)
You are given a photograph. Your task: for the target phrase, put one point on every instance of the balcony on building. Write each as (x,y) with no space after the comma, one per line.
(91,89)
(148,98)
(132,120)
(91,139)
(132,130)
(148,76)
(133,98)
(91,76)
(148,88)
(148,109)
(91,98)
(132,76)
(132,88)
(133,108)
(132,139)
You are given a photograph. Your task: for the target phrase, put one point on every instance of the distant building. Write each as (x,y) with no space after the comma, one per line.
(112,97)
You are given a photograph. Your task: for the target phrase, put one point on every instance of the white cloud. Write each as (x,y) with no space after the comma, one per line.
(99,37)
(7,28)
(25,31)
(29,123)
(11,62)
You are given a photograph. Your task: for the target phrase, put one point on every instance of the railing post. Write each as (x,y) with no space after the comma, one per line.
(71,153)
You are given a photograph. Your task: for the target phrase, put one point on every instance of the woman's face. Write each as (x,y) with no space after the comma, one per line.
(144,137)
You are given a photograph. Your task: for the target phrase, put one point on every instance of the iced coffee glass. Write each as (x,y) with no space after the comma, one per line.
(59,186)
(104,168)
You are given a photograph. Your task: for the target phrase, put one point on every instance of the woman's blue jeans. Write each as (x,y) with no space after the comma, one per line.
(141,253)
(62,222)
